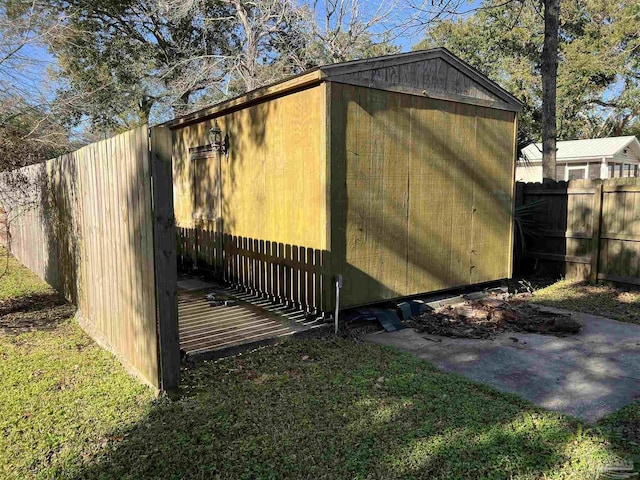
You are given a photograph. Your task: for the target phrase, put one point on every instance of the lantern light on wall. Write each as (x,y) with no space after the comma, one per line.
(219,143)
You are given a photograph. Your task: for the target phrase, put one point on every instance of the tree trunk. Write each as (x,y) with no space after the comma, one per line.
(549,78)
(144,109)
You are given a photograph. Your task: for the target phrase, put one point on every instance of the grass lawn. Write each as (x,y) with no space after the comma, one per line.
(605,300)
(314,409)
(61,396)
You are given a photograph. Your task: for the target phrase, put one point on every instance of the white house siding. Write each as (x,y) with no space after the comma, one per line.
(529,173)
(592,170)
(621,157)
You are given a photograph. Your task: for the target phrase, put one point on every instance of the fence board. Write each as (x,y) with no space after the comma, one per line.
(165,256)
(90,234)
(589,227)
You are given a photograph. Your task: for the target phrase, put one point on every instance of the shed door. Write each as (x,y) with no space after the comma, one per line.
(207,200)
(207,195)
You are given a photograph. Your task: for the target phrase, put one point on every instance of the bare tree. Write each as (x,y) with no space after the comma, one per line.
(29,132)
(273,38)
(27,114)
(348,29)
(261,36)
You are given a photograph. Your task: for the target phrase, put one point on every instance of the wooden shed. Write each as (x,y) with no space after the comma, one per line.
(396,173)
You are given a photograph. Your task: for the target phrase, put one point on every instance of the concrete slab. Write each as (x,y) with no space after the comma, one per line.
(588,375)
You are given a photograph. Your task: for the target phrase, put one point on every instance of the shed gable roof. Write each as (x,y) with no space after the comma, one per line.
(588,148)
(435,73)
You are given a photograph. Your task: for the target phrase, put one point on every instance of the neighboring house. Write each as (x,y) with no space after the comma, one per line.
(611,157)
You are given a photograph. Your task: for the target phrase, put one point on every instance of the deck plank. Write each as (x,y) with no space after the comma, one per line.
(249,321)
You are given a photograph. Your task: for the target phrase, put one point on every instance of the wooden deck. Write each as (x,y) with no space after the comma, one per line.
(214,331)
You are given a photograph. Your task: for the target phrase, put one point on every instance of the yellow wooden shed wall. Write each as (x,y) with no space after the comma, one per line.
(421,193)
(275,178)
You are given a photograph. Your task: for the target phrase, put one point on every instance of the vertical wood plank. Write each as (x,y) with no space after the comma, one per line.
(595,237)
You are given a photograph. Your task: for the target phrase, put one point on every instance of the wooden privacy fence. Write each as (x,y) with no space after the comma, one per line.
(589,227)
(287,274)
(91,230)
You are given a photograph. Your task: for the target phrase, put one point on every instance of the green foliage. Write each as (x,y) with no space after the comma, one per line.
(120,59)
(315,409)
(124,62)
(61,396)
(599,60)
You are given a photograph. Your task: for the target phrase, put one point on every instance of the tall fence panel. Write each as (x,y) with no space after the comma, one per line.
(90,234)
(590,228)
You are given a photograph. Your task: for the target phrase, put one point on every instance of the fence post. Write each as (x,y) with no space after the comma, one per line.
(165,258)
(596,231)
(515,258)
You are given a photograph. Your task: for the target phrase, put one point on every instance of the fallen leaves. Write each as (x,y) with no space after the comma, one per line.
(487,317)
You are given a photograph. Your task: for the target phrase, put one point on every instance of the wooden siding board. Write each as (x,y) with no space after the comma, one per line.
(462,197)
(423,57)
(275,189)
(276,147)
(418,175)
(433,77)
(492,196)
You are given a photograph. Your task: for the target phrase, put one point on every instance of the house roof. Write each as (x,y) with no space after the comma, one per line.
(589,148)
(434,73)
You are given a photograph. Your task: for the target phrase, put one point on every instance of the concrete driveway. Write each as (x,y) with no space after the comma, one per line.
(588,375)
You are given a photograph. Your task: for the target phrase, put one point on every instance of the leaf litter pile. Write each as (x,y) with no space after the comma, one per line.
(492,315)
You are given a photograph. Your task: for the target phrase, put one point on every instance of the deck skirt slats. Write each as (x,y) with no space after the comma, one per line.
(216,315)
(216,324)
(236,334)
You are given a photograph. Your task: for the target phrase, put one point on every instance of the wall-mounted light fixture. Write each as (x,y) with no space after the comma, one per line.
(218,143)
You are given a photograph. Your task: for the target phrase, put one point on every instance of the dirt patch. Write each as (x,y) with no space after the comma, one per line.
(33,312)
(487,317)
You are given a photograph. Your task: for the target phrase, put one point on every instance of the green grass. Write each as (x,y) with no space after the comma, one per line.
(61,396)
(604,300)
(18,281)
(314,409)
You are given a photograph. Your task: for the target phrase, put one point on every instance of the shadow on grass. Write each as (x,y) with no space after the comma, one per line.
(37,311)
(334,409)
